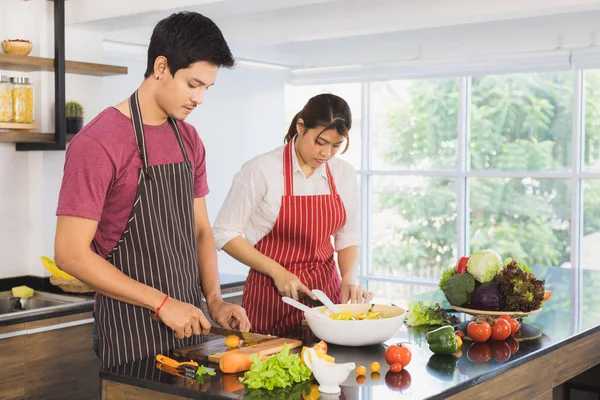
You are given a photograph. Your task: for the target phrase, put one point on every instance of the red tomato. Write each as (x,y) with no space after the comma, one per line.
(479,331)
(460,333)
(398,354)
(397,367)
(461,266)
(500,351)
(479,352)
(513,344)
(514,324)
(501,329)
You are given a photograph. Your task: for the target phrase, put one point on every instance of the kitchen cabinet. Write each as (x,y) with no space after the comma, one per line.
(12,367)
(50,359)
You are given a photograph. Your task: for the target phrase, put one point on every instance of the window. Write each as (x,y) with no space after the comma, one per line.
(454,165)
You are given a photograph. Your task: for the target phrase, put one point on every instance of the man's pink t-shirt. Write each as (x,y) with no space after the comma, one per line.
(102,166)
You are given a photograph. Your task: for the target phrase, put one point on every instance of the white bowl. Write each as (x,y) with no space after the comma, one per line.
(365,332)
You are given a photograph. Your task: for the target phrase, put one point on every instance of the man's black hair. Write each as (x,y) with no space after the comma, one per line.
(185,38)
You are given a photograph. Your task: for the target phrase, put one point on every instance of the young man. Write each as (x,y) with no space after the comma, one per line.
(132,219)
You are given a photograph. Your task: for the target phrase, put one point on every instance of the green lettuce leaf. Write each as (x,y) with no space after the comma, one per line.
(278,371)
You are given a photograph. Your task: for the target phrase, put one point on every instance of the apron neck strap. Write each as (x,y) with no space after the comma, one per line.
(138,129)
(288,171)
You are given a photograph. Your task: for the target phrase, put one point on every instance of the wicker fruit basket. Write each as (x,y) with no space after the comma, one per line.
(71,285)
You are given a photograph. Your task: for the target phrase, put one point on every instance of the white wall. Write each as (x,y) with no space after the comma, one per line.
(243,114)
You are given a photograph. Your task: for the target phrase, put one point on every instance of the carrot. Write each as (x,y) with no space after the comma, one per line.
(236,362)
(547,295)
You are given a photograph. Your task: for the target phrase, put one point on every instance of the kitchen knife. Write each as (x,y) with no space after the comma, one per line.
(247,336)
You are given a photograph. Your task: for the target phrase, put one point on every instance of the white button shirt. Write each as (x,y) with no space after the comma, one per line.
(252,205)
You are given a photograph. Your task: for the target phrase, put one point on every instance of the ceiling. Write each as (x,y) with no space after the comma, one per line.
(324,33)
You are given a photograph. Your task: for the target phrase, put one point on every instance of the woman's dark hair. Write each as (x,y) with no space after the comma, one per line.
(324,110)
(185,38)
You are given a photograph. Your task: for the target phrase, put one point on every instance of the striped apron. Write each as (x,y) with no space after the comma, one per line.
(300,241)
(158,248)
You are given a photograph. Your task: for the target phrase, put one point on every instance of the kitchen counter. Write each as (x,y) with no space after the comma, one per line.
(570,344)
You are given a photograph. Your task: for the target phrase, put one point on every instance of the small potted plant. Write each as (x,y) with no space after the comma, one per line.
(74,116)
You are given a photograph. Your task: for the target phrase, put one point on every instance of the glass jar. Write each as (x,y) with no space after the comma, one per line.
(22,99)
(5,99)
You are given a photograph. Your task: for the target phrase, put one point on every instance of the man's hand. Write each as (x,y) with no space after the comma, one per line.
(229,315)
(184,318)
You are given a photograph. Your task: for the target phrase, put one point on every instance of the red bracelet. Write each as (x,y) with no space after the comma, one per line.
(161,304)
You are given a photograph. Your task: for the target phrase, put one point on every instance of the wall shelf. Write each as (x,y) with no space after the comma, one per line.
(32,64)
(29,137)
(18,127)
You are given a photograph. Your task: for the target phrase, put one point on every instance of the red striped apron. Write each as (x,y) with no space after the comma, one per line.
(300,241)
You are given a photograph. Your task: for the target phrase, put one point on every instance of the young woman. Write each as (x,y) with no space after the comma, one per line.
(283,210)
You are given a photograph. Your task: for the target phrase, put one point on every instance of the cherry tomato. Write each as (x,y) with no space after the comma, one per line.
(361,379)
(360,370)
(501,329)
(375,376)
(461,265)
(513,344)
(375,366)
(397,367)
(479,331)
(514,324)
(547,295)
(500,351)
(460,333)
(398,353)
(479,352)
(397,380)
(459,342)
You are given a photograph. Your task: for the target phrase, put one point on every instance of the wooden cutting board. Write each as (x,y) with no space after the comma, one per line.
(214,349)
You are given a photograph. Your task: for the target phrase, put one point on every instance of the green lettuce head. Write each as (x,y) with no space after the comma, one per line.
(484,265)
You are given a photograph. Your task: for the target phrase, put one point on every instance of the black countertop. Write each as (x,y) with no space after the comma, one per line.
(572,313)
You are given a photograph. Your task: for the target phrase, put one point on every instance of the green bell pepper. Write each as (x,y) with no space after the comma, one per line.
(442,341)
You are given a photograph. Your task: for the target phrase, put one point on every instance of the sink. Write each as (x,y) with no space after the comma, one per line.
(40,302)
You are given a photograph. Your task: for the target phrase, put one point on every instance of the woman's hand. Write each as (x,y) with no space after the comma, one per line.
(355,293)
(289,284)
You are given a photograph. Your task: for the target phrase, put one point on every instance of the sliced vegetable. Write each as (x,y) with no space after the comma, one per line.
(487,296)
(232,341)
(484,265)
(442,341)
(501,329)
(461,265)
(479,331)
(420,315)
(281,370)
